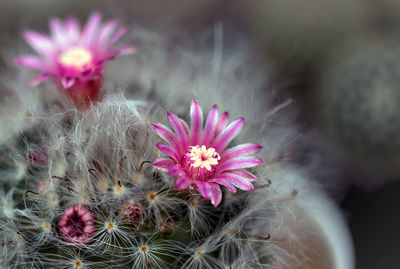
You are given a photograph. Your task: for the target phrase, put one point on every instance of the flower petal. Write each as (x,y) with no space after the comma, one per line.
(122,31)
(73,31)
(240,150)
(67,82)
(176,170)
(204,189)
(106,31)
(123,50)
(41,43)
(196,115)
(179,130)
(164,163)
(237,181)
(168,150)
(182,182)
(30,61)
(221,123)
(216,194)
(240,162)
(224,183)
(228,134)
(244,173)
(210,125)
(185,127)
(166,134)
(90,28)
(58,32)
(38,79)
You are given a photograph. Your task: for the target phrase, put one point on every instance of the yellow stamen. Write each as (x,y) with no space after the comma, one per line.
(77,57)
(203,157)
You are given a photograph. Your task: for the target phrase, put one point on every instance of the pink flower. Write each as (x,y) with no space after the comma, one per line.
(77,224)
(74,57)
(199,158)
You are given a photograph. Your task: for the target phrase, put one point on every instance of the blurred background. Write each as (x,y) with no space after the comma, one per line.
(338,60)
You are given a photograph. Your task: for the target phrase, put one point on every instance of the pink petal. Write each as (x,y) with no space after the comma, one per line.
(58,32)
(38,79)
(244,173)
(90,29)
(222,121)
(179,130)
(168,150)
(228,134)
(185,127)
(30,61)
(210,125)
(73,30)
(163,163)
(124,50)
(240,150)
(122,31)
(40,43)
(106,30)
(176,171)
(69,211)
(204,189)
(67,82)
(216,194)
(237,181)
(166,134)
(196,115)
(182,182)
(224,183)
(240,162)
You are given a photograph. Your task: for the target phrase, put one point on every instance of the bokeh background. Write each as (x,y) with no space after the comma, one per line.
(337,60)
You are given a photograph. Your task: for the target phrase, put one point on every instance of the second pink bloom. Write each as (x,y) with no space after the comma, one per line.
(74,56)
(199,157)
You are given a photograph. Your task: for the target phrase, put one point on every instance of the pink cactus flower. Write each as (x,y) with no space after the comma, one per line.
(77,225)
(199,158)
(74,57)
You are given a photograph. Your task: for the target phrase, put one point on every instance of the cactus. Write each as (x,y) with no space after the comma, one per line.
(85,187)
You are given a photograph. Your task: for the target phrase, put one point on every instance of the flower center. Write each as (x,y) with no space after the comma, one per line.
(77,263)
(77,57)
(200,162)
(109,226)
